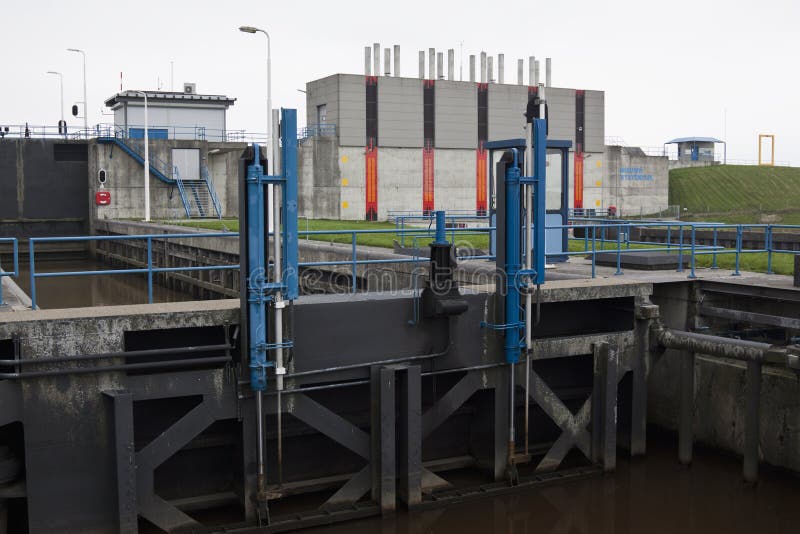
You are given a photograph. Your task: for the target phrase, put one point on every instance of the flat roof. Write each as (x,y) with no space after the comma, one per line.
(170,96)
(694,139)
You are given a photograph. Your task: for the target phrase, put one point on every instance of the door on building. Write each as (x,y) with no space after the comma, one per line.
(187,160)
(322,114)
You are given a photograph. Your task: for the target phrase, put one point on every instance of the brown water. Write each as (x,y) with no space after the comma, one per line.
(95,290)
(648,495)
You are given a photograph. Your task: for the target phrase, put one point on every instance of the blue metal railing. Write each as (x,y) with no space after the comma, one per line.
(150,270)
(211,190)
(14,260)
(597,239)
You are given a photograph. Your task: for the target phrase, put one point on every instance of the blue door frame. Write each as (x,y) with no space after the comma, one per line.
(555,217)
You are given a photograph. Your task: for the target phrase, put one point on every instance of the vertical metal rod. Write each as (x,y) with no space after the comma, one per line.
(669,236)
(768,243)
(738,248)
(511,429)
(528,265)
(33,273)
(680,248)
(685,430)
(694,235)
(149,270)
(261,479)
(714,255)
(355,265)
(594,250)
(751,423)
(619,251)
(278,304)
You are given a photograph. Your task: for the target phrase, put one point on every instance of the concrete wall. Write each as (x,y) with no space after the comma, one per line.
(400,112)
(635,183)
(332,180)
(43,187)
(125,180)
(456,115)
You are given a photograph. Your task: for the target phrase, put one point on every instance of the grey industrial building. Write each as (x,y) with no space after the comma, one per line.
(424,137)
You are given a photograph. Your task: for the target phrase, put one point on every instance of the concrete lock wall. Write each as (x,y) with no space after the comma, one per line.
(635,182)
(43,187)
(125,179)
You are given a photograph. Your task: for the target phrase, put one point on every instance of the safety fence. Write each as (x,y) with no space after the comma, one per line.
(588,238)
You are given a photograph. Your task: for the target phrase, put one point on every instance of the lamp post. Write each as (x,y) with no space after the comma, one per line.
(252,29)
(61,83)
(146,162)
(85,104)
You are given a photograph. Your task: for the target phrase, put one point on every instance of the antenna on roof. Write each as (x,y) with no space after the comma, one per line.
(120,81)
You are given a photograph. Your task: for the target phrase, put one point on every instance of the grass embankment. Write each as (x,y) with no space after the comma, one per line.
(385,240)
(737,194)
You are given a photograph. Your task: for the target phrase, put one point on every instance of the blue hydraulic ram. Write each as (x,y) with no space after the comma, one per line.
(269,286)
(521,213)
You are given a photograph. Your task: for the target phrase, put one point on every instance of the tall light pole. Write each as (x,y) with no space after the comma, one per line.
(252,29)
(146,161)
(61,82)
(85,103)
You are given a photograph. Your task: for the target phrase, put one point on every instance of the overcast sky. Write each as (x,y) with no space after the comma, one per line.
(669,69)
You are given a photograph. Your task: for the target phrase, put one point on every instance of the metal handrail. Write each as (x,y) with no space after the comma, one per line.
(596,238)
(206,175)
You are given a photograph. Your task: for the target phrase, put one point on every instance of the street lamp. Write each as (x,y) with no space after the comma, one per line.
(252,29)
(146,161)
(85,104)
(61,82)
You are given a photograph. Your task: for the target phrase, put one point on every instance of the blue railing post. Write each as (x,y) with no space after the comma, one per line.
(738,248)
(33,272)
(355,264)
(669,236)
(594,247)
(402,231)
(691,274)
(714,255)
(680,248)
(768,245)
(149,270)
(619,251)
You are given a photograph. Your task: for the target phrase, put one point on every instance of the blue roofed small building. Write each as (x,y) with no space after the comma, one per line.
(695,151)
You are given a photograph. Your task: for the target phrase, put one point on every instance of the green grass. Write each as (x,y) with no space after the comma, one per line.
(737,194)
(384,240)
(755,262)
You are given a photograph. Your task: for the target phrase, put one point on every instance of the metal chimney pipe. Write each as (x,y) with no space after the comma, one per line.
(440,66)
(387,61)
(451,64)
(532,71)
(501,68)
(397,61)
(376,59)
(367,61)
(483,67)
(536,73)
(490,69)
(422,64)
(520,70)
(472,68)
(548,72)
(431,63)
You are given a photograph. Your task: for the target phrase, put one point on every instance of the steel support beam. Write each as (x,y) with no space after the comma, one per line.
(383,438)
(750,317)
(604,402)
(410,436)
(125,454)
